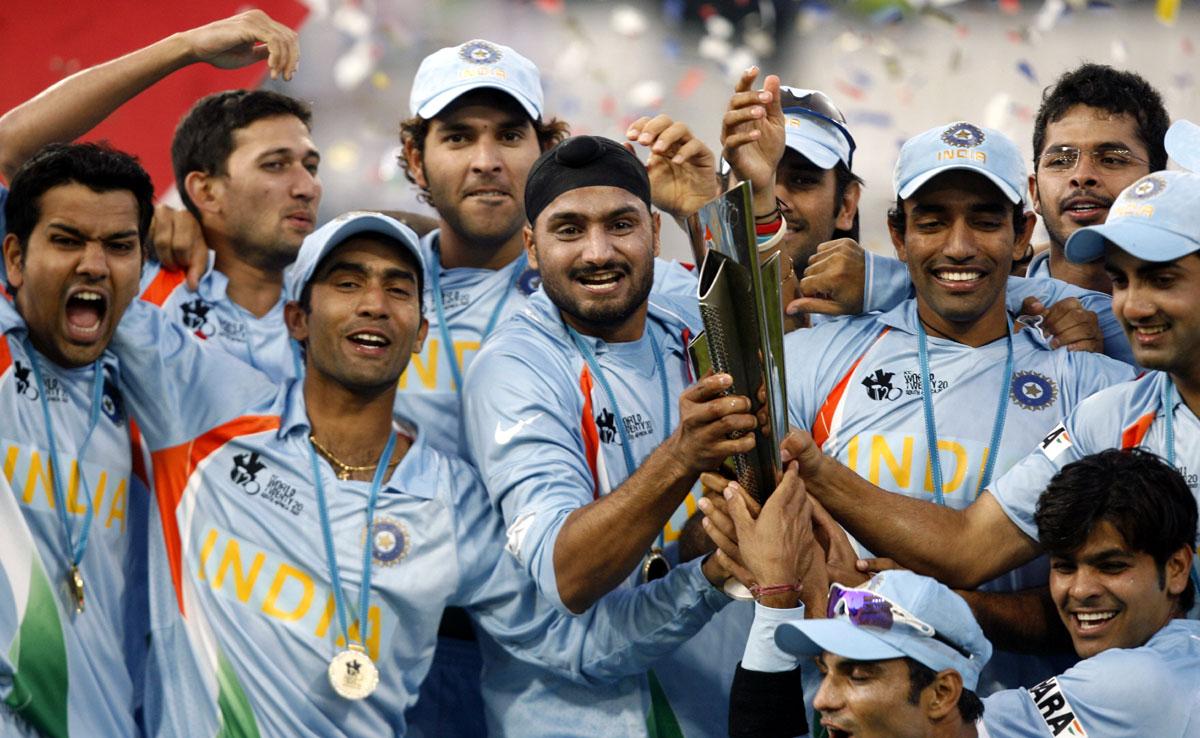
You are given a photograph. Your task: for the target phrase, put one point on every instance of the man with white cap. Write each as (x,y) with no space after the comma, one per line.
(1149,245)
(879,392)
(261,631)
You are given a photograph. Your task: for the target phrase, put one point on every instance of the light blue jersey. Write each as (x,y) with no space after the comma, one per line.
(65,672)
(474,303)
(1153,690)
(243,609)
(855,384)
(887,284)
(210,314)
(547,440)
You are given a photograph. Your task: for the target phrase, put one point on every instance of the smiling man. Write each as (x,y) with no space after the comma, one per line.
(73,620)
(944,370)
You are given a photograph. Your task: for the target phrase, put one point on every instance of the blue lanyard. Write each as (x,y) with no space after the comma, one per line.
(931,438)
(590,359)
(364,598)
(77,548)
(435,284)
(1168,407)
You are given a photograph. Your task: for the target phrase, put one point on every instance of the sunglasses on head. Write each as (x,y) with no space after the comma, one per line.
(862,607)
(817,104)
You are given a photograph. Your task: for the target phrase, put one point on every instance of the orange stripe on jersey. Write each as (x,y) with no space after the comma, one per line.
(5,355)
(162,286)
(591,434)
(824,422)
(174,466)
(139,454)
(1132,436)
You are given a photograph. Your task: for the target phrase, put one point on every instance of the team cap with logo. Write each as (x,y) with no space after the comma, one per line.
(961,145)
(815,128)
(453,71)
(1157,218)
(347,225)
(897,614)
(1183,144)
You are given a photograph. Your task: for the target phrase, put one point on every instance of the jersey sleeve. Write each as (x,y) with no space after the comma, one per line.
(1120,693)
(521,436)
(621,635)
(1050,291)
(178,386)
(1086,373)
(886,283)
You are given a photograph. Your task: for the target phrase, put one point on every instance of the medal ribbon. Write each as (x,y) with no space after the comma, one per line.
(435,283)
(364,598)
(931,426)
(1168,406)
(626,446)
(76,548)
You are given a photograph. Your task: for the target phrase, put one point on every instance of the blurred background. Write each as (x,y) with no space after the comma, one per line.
(895,68)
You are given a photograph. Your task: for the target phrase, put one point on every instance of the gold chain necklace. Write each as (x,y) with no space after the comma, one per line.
(343,470)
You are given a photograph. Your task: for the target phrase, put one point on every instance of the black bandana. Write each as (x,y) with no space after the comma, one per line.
(583,161)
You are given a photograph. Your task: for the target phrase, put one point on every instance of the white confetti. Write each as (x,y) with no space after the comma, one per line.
(719,26)
(1120,54)
(715,49)
(351,20)
(354,66)
(628,21)
(646,94)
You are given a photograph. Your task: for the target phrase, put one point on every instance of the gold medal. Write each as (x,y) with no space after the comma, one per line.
(353,674)
(75,587)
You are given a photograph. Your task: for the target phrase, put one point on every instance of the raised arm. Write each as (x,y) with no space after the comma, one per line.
(75,105)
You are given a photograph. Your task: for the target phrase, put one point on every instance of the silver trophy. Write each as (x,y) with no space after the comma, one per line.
(741,307)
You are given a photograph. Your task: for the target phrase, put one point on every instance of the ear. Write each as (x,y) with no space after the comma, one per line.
(848,207)
(656,229)
(1033,194)
(416,163)
(13,261)
(941,698)
(204,190)
(898,242)
(422,332)
(296,319)
(530,249)
(1177,570)
(1025,236)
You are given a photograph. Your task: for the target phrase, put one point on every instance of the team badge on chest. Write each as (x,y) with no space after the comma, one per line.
(1033,391)
(389,541)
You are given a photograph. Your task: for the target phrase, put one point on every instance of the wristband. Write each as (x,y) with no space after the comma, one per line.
(772,216)
(769,228)
(759,591)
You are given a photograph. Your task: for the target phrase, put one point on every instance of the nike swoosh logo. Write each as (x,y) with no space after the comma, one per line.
(504,435)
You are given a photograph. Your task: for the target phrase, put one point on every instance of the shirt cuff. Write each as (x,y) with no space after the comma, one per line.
(713,596)
(761,652)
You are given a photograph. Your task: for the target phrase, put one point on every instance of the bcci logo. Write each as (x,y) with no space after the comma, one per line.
(245,472)
(1033,391)
(195,316)
(879,386)
(963,135)
(529,281)
(1149,187)
(389,541)
(479,52)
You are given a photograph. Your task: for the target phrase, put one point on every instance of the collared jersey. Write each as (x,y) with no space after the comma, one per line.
(210,314)
(855,384)
(1123,416)
(887,284)
(469,299)
(245,620)
(67,673)
(1152,690)
(546,438)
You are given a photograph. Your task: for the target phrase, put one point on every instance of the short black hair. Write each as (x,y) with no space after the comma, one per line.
(203,140)
(94,165)
(1138,493)
(920,676)
(305,300)
(1114,91)
(843,177)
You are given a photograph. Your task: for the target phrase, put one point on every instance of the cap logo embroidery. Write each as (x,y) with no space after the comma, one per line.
(963,135)
(479,52)
(1149,187)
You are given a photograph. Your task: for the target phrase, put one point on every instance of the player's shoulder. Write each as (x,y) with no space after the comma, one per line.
(1122,401)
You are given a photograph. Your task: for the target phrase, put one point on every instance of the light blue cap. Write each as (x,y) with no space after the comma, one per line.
(331,235)
(1183,144)
(815,137)
(450,72)
(925,599)
(1157,218)
(961,145)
